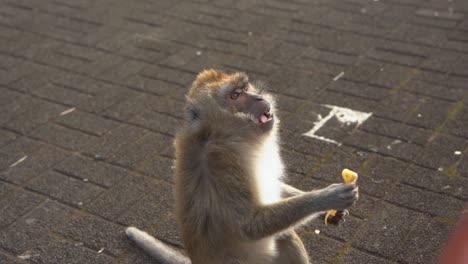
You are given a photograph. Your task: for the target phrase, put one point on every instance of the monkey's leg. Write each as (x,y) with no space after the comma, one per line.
(291,250)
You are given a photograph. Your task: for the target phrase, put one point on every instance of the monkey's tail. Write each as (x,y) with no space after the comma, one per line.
(156,248)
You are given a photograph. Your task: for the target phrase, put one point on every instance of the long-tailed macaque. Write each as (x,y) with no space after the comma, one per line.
(231,203)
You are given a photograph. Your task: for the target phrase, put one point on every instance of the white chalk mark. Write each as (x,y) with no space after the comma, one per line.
(67,111)
(338,76)
(18,161)
(344,115)
(457,152)
(101,250)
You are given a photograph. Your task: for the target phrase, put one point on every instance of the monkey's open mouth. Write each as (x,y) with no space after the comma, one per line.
(265,117)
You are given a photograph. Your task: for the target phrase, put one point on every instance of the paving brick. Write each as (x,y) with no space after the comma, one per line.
(455,125)
(398,130)
(398,107)
(91,170)
(63,94)
(34,117)
(430,114)
(123,71)
(65,188)
(299,163)
(435,90)
(424,243)
(30,231)
(113,140)
(354,256)
(16,204)
(381,233)
(440,152)
(384,145)
(121,196)
(133,152)
(168,106)
(62,136)
(359,89)
(158,122)
(321,248)
(436,181)
(156,166)
(379,174)
(34,164)
(89,123)
(300,143)
(426,201)
(6,137)
(169,74)
(153,86)
(134,104)
(152,209)
(16,150)
(109,236)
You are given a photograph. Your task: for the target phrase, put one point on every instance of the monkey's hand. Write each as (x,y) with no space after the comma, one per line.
(340,196)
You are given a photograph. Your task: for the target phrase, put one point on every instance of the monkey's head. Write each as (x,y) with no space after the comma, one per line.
(232,93)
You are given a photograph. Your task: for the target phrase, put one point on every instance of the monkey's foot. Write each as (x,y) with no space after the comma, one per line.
(338,218)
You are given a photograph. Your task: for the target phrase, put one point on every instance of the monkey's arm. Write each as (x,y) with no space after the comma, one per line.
(289,191)
(271,219)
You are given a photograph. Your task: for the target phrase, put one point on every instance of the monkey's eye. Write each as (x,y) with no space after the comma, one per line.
(236,94)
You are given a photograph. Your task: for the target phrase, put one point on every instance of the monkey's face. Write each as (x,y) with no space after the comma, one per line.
(245,98)
(234,93)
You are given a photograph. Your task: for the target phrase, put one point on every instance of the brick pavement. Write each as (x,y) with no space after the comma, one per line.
(91,93)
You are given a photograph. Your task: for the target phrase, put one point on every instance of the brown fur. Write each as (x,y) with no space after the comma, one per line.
(231,203)
(218,207)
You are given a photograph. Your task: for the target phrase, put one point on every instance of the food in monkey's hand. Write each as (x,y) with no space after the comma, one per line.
(333,216)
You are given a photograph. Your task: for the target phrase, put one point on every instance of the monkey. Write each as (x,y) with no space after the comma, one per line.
(232,204)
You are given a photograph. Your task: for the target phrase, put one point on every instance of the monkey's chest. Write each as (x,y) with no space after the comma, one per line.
(268,178)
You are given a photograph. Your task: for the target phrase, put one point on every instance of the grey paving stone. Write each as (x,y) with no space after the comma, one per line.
(436,181)
(34,164)
(113,140)
(36,116)
(62,136)
(157,122)
(153,209)
(354,256)
(131,154)
(17,150)
(65,188)
(426,201)
(321,249)
(440,152)
(104,234)
(6,136)
(91,170)
(156,166)
(16,204)
(83,121)
(389,224)
(29,232)
(121,196)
